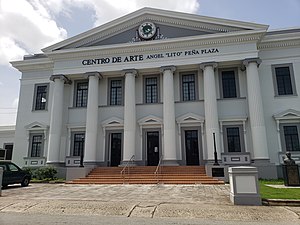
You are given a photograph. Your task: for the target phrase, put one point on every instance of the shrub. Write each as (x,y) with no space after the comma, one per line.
(42,173)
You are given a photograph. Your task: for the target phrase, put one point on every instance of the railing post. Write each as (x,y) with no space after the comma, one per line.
(123,172)
(1,175)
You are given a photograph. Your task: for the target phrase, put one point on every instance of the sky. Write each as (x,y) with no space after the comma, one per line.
(27,26)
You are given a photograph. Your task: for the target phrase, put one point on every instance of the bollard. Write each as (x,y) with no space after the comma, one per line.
(1,175)
(244,189)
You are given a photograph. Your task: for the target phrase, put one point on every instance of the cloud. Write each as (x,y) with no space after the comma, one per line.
(26,27)
(15,103)
(30,25)
(107,10)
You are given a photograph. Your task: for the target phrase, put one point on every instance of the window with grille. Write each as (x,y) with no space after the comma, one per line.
(229,84)
(36,145)
(188,87)
(233,139)
(116,92)
(151,90)
(41,95)
(82,94)
(78,144)
(291,137)
(283,79)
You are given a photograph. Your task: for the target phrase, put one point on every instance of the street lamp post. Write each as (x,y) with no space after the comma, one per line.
(81,153)
(215,151)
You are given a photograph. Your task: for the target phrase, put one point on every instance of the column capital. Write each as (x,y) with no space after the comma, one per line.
(61,77)
(163,68)
(205,64)
(96,74)
(250,60)
(130,71)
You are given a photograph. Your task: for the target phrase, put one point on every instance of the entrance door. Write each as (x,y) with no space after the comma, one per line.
(115,149)
(191,147)
(152,148)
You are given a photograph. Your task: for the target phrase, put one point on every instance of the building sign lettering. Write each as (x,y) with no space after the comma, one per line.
(138,58)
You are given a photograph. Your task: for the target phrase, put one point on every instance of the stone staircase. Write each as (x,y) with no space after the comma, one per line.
(146,175)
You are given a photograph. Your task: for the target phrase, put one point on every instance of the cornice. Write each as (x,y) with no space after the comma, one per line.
(129,21)
(157,45)
(33,64)
(283,40)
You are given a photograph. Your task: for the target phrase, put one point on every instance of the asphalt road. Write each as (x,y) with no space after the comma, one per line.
(45,219)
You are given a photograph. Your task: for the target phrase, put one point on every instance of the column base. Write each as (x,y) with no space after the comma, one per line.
(56,164)
(128,163)
(266,169)
(90,164)
(169,162)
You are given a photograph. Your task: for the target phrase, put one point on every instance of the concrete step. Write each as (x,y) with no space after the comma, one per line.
(145,175)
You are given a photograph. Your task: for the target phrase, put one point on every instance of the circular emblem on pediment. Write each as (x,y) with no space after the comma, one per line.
(147,30)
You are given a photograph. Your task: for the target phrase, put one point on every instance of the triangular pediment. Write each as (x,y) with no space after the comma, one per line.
(287,114)
(113,122)
(168,25)
(36,126)
(190,118)
(150,120)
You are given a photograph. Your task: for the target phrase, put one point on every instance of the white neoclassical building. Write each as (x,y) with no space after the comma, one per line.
(159,84)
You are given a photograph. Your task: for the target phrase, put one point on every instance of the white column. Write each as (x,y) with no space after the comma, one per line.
(129,115)
(256,114)
(56,118)
(91,130)
(211,109)
(170,136)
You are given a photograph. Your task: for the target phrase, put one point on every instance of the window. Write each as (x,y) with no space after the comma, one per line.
(36,145)
(233,139)
(81,94)
(291,138)
(116,91)
(41,95)
(188,87)
(9,150)
(151,90)
(229,84)
(78,144)
(13,168)
(283,77)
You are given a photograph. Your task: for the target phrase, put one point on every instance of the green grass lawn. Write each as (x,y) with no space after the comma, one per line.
(277,193)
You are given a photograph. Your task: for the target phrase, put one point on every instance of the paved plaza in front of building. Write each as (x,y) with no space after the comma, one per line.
(152,201)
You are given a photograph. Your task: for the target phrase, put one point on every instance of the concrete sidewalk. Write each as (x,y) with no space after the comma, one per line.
(154,201)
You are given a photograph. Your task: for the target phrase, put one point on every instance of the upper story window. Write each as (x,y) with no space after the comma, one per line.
(37,143)
(78,144)
(151,89)
(188,82)
(284,81)
(291,137)
(229,84)
(116,92)
(41,96)
(81,94)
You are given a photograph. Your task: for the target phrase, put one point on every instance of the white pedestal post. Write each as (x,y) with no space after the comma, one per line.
(256,114)
(129,115)
(56,119)
(90,144)
(244,189)
(211,110)
(169,154)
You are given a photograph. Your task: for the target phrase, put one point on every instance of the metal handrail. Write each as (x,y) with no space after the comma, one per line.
(158,168)
(123,171)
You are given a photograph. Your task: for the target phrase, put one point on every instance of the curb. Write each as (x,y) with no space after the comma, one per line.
(280,202)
